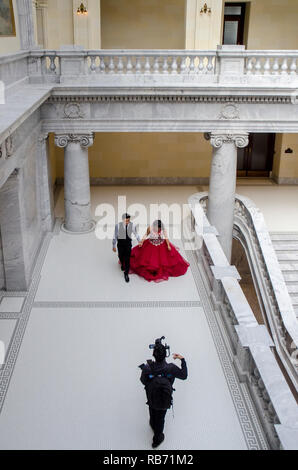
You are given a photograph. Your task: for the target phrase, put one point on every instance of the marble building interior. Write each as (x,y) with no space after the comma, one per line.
(163,102)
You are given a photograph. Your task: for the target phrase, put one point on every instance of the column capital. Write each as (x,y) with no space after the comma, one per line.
(217,139)
(84,140)
(43,136)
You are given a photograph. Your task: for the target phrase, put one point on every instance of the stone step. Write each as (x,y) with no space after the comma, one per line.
(289,267)
(286,247)
(282,256)
(290,277)
(279,237)
(292,289)
(294,299)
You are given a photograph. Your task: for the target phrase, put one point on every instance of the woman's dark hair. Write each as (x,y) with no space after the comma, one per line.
(159,353)
(158,224)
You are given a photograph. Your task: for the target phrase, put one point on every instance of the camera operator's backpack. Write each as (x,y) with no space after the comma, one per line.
(159,391)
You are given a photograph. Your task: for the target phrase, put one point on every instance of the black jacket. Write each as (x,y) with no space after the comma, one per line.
(163,367)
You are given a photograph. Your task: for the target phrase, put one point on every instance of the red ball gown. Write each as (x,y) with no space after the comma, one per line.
(155,262)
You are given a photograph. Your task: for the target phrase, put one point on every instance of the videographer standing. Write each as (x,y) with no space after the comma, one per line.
(158,377)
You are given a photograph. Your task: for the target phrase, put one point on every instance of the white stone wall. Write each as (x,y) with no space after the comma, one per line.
(21,204)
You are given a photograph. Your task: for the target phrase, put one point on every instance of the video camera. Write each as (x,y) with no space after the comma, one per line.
(158,345)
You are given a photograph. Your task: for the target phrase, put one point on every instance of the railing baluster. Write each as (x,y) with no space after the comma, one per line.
(174,66)
(111,65)
(275,68)
(120,66)
(102,65)
(93,65)
(192,65)
(138,65)
(165,65)
(129,64)
(147,67)
(293,66)
(52,64)
(284,66)
(267,66)
(156,65)
(201,65)
(249,66)
(183,65)
(210,64)
(258,66)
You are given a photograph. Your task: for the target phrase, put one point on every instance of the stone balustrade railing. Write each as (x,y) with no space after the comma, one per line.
(251,344)
(251,229)
(271,63)
(227,64)
(152,62)
(277,304)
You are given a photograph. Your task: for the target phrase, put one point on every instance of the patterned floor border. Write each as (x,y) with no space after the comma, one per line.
(22,321)
(248,419)
(148,304)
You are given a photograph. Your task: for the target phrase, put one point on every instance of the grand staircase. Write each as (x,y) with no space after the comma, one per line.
(286,247)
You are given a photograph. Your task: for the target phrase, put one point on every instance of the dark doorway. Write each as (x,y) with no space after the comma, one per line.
(257,158)
(234,19)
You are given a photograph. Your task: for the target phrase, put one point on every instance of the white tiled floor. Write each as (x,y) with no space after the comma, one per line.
(83,268)
(11,304)
(76,381)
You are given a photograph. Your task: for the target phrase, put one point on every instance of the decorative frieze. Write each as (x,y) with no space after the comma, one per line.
(142,98)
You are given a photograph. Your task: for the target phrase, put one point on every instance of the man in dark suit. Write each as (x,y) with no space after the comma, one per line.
(122,238)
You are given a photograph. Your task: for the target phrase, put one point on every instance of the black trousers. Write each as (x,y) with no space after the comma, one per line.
(157,421)
(124,252)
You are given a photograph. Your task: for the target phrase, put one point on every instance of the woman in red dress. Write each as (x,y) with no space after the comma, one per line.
(156,259)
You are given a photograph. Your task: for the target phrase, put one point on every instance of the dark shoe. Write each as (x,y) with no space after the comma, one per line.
(126,277)
(157,443)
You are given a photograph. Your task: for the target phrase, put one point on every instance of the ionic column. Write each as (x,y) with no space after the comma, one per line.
(76,181)
(222,185)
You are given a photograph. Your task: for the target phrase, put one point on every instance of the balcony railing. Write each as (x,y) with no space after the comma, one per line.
(156,67)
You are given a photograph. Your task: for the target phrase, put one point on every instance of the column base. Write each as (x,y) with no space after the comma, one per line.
(92,228)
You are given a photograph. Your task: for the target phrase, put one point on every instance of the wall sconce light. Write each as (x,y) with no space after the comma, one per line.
(205,9)
(289,150)
(82,10)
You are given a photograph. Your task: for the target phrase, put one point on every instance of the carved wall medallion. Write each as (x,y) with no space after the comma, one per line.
(73,111)
(229,111)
